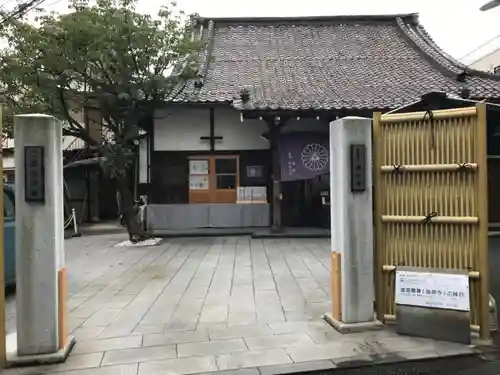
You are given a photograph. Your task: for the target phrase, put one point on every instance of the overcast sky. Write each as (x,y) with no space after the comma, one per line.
(456,25)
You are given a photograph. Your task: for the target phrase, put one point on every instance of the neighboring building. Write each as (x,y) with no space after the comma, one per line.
(86,190)
(70,144)
(253,126)
(486,57)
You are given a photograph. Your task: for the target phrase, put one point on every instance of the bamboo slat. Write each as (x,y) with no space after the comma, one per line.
(436,115)
(445,151)
(430,219)
(430,168)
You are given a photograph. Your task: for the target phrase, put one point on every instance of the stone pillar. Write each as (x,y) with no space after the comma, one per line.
(40,264)
(351,225)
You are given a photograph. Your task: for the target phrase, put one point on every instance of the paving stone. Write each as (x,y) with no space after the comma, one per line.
(154,353)
(174,338)
(299,316)
(252,359)
(81,361)
(214,314)
(130,369)
(178,366)
(211,347)
(149,328)
(270,316)
(241,319)
(103,345)
(294,327)
(182,324)
(244,288)
(243,331)
(321,336)
(242,371)
(449,349)
(102,317)
(278,341)
(421,353)
(398,344)
(35,370)
(206,327)
(327,351)
(296,367)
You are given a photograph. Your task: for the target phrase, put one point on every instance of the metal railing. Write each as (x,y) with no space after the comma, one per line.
(72,220)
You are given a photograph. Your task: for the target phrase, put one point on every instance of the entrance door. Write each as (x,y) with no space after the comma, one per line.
(302,204)
(213,179)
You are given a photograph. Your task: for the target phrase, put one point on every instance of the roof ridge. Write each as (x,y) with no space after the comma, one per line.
(348,17)
(202,71)
(452,60)
(424,42)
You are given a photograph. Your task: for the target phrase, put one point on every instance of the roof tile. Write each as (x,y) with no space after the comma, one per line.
(331,63)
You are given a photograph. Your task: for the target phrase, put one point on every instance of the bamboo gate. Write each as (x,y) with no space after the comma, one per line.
(431,204)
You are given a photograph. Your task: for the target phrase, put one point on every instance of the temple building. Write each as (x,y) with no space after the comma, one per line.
(245,143)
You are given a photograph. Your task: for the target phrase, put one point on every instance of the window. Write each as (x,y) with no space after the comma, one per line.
(8,206)
(213,179)
(226,173)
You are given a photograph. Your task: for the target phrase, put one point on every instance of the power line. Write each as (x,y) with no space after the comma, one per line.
(21,10)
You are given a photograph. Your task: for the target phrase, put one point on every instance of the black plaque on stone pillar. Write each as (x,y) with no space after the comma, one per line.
(34,174)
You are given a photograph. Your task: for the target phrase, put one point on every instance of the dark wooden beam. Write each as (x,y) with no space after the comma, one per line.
(275,124)
(212,137)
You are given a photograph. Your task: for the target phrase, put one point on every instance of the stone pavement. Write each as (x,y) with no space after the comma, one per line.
(210,304)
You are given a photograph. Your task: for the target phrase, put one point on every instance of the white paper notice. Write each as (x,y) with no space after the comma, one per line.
(434,290)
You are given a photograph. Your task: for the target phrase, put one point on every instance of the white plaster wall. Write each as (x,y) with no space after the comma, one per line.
(180,129)
(8,162)
(177,129)
(143,161)
(238,135)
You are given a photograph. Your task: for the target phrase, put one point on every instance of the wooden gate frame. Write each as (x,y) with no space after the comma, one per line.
(479,277)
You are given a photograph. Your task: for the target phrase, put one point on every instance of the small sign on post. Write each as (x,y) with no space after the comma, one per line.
(433,303)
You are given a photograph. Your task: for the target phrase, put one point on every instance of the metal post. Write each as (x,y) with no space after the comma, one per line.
(3,355)
(377,218)
(482,204)
(75,223)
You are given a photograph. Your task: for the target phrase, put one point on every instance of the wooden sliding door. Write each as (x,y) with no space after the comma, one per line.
(213,179)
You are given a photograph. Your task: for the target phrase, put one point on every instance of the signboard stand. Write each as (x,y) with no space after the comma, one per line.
(433,303)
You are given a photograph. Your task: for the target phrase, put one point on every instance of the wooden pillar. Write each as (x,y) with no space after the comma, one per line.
(275,124)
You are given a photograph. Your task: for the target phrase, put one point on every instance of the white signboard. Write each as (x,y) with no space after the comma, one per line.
(434,290)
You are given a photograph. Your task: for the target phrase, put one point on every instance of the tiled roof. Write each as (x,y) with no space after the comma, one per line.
(324,63)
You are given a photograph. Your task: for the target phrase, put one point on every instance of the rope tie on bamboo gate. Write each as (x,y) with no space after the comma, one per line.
(429,113)
(398,168)
(428,218)
(464,167)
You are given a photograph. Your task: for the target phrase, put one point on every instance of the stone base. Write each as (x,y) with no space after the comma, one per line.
(353,327)
(13,360)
